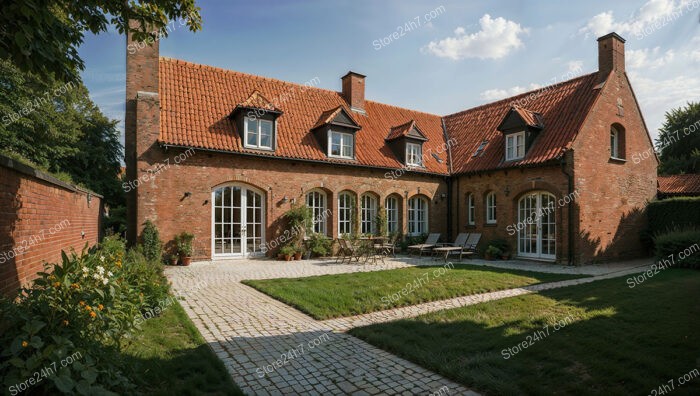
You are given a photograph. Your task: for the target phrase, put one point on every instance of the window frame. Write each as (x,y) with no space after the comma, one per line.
(368,214)
(512,142)
(491,215)
(347,199)
(319,220)
(471,210)
(392,214)
(258,145)
(415,225)
(414,150)
(343,137)
(614,143)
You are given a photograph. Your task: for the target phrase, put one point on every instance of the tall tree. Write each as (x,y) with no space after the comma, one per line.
(43,36)
(678,143)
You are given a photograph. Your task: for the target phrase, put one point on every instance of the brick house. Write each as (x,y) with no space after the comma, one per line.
(225,154)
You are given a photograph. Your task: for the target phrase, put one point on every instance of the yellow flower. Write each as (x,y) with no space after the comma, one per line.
(75,286)
(88,308)
(81,303)
(65,322)
(100,307)
(118,264)
(92,314)
(24,344)
(57,284)
(140,294)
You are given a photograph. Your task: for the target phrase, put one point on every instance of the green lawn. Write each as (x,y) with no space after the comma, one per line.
(618,340)
(332,296)
(170,357)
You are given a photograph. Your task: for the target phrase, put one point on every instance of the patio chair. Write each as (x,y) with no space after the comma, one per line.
(350,250)
(446,248)
(429,244)
(469,248)
(389,247)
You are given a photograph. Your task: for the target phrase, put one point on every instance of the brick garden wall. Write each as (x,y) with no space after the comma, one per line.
(40,216)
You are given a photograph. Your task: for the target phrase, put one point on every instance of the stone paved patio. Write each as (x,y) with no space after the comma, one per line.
(270,348)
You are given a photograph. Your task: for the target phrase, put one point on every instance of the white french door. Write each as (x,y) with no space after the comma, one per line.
(238,219)
(537,235)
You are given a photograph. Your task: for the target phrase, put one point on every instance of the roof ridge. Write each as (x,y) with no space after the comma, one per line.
(512,98)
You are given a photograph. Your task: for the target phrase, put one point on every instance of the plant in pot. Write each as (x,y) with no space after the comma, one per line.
(287,252)
(492,253)
(184,241)
(319,245)
(298,251)
(172,259)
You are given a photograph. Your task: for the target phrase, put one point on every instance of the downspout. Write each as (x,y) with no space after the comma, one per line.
(448,181)
(570,212)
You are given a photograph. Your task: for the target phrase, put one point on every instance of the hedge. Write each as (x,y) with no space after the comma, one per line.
(680,248)
(673,214)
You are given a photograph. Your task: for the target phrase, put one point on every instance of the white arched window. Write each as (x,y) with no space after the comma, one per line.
(369,214)
(491,208)
(345,204)
(614,143)
(316,201)
(417,216)
(471,210)
(392,214)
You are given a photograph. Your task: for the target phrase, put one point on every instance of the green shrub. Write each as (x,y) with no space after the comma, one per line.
(410,240)
(501,244)
(84,307)
(152,245)
(493,251)
(287,250)
(682,246)
(673,214)
(183,241)
(319,244)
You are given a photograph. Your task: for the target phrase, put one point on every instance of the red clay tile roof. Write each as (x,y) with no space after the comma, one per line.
(197,99)
(257,101)
(680,184)
(328,116)
(563,108)
(530,117)
(403,130)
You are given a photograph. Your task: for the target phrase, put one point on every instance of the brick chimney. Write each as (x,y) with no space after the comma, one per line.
(354,91)
(142,59)
(611,55)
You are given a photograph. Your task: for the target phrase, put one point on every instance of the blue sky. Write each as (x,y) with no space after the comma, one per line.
(449,56)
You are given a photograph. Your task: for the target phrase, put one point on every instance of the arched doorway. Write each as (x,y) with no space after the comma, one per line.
(537,234)
(238,221)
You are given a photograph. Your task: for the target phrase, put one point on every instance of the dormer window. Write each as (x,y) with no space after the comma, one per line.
(520,128)
(515,146)
(256,122)
(414,154)
(340,145)
(258,133)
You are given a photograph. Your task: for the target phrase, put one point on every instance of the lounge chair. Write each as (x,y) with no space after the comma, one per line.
(427,246)
(446,248)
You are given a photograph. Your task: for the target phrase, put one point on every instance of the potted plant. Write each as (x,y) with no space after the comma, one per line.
(287,252)
(172,259)
(492,252)
(319,245)
(297,253)
(503,246)
(183,241)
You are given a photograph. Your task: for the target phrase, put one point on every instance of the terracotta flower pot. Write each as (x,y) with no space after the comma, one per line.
(297,256)
(185,260)
(173,260)
(288,257)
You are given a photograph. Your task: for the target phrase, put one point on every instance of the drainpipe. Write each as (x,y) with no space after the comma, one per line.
(448,180)
(570,181)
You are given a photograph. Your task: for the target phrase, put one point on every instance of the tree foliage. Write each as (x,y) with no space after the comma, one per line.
(678,143)
(43,36)
(58,128)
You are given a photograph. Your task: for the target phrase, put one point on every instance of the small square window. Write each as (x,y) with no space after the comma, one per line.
(340,145)
(515,146)
(414,155)
(258,133)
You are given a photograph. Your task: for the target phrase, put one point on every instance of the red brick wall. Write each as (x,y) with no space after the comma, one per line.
(509,186)
(162,198)
(613,194)
(38,218)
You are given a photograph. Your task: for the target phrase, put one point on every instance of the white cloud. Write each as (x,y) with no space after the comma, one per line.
(496,39)
(575,66)
(496,94)
(649,18)
(648,58)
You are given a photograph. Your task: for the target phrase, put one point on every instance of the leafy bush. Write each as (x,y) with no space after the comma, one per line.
(410,240)
(287,250)
(493,251)
(152,245)
(83,307)
(682,246)
(183,241)
(502,245)
(673,214)
(319,244)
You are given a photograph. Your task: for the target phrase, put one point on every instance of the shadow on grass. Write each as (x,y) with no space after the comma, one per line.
(621,340)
